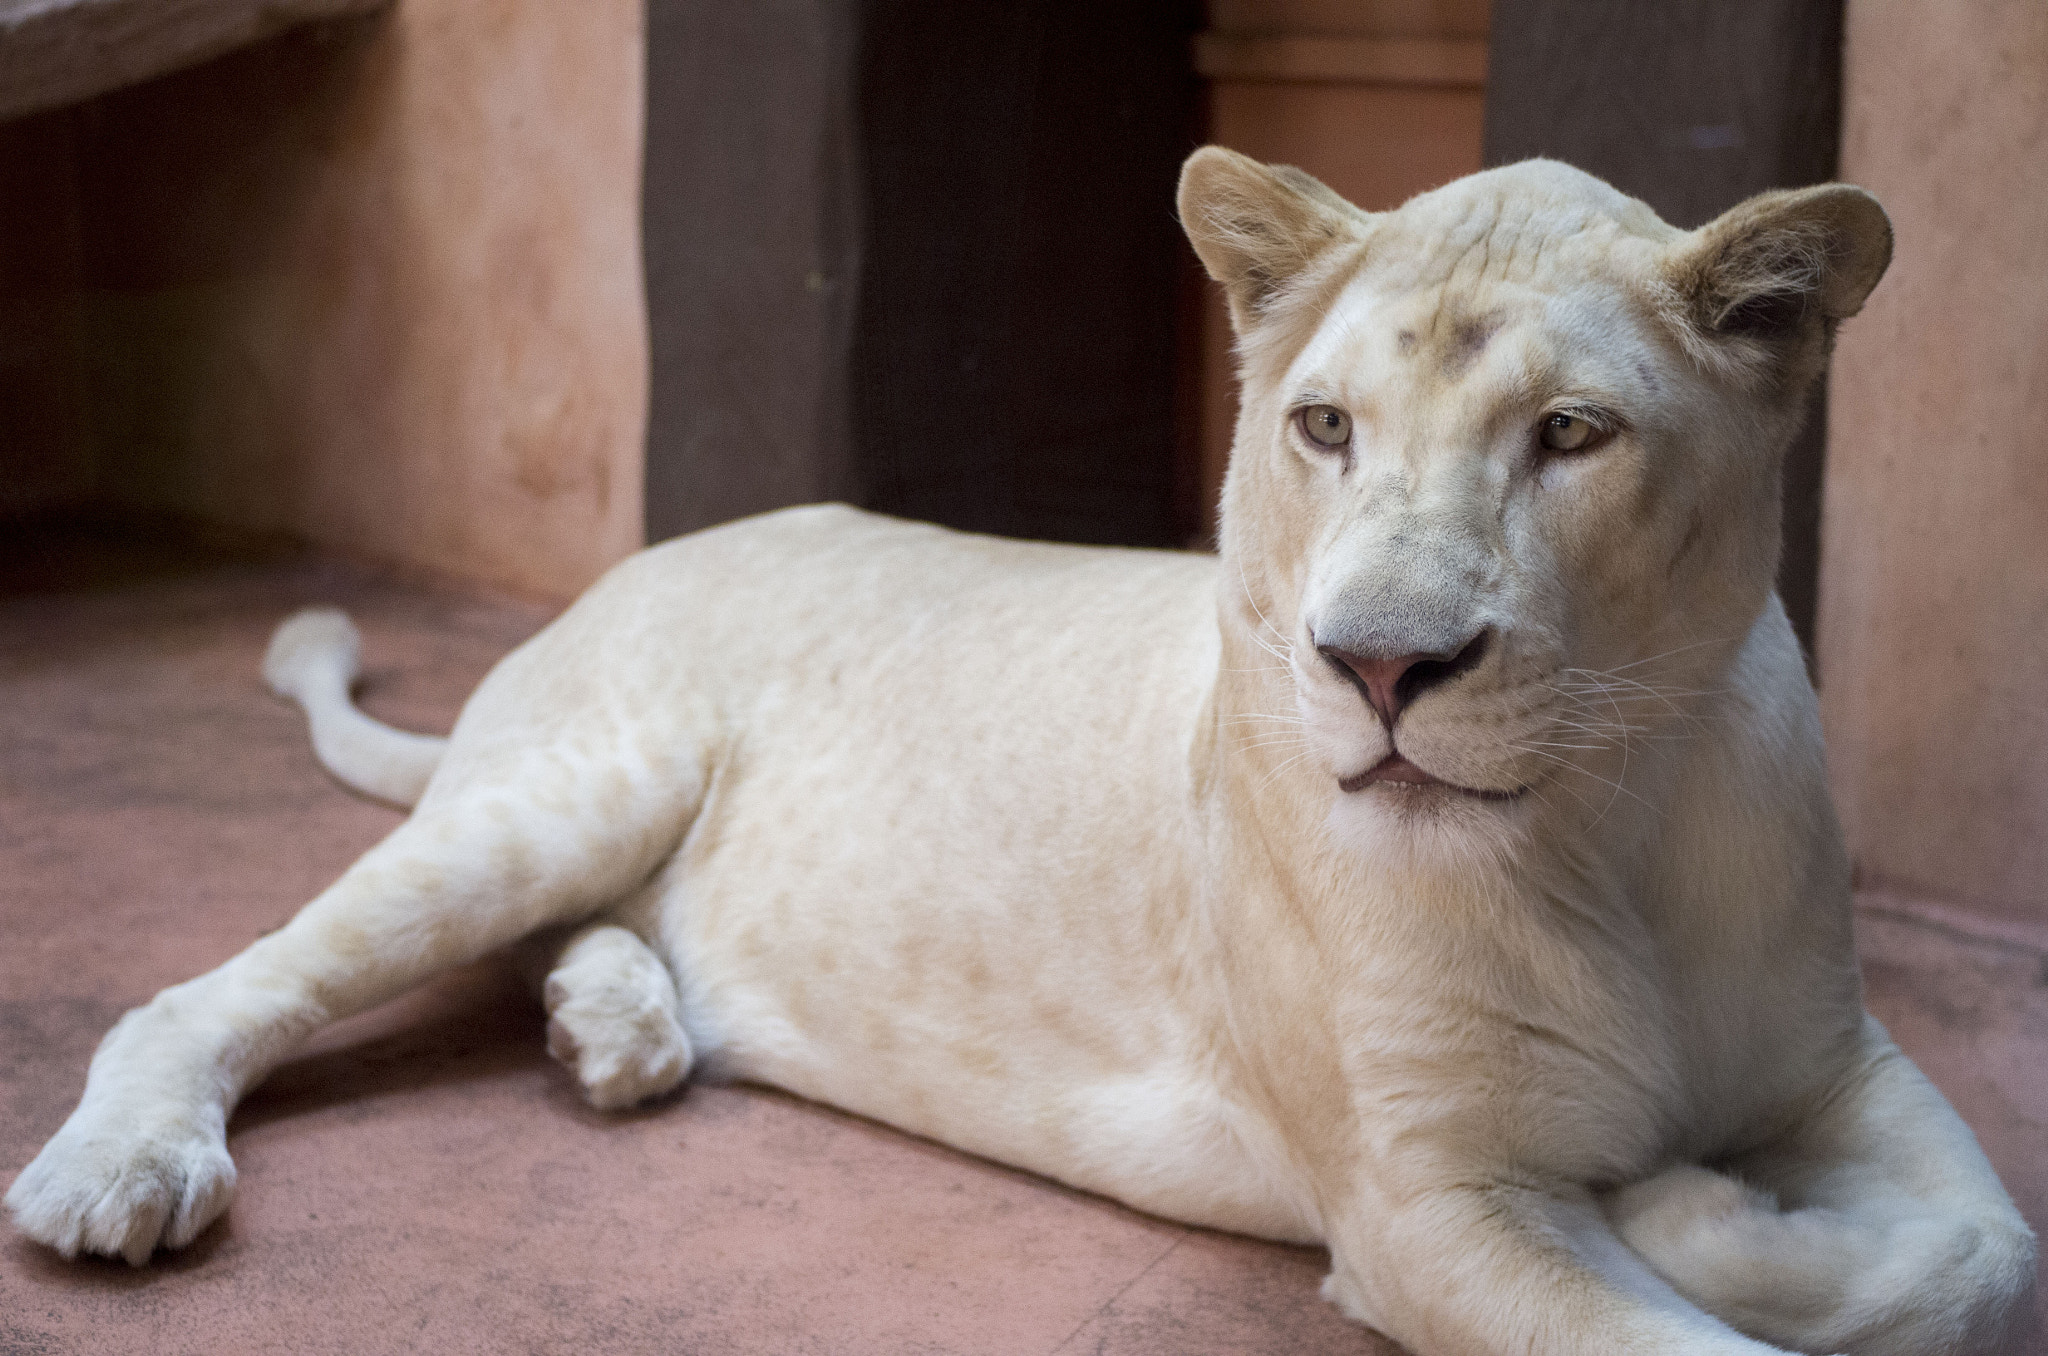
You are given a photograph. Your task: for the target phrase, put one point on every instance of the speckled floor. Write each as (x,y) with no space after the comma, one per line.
(425,1178)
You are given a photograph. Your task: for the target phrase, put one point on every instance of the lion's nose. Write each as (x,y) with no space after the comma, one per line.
(1390,683)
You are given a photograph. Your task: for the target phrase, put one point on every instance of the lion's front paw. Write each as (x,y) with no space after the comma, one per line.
(123,1185)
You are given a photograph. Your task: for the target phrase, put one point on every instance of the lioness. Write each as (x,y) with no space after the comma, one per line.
(1443,872)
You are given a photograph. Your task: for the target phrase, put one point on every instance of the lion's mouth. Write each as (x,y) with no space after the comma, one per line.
(1396,772)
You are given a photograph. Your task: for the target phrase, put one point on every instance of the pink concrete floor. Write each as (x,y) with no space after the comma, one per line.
(425,1178)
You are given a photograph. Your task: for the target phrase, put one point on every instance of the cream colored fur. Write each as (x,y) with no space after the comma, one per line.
(1047,852)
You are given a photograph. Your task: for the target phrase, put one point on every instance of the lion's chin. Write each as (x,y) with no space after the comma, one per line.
(1397,774)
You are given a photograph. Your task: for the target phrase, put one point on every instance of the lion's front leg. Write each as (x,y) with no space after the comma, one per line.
(1876,1228)
(1486,1266)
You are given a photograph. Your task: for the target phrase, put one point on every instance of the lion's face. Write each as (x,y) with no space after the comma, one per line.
(1504,496)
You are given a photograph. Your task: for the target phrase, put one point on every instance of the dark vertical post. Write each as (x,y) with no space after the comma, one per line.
(1692,106)
(917,255)
(750,225)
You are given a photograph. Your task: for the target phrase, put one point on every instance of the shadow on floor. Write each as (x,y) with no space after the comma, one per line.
(99,547)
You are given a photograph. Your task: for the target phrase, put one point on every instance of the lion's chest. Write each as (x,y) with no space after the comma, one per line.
(1576,1086)
(1590,1056)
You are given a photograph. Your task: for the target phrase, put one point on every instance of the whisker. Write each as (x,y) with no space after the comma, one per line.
(1614,734)
(1597,727)
(1278,742)
(1264,781)
(1569,792)
(1577,698)
(1716,640)
(1262,732)
(1568,763)
(1246,585)
(1620,776)
(1605,733)
(1267,646)
(1620,790)
(1615,682)
(1592,719)
(1595,700)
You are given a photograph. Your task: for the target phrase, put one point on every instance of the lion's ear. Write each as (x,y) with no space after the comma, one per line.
(1256,227)
(1783,263)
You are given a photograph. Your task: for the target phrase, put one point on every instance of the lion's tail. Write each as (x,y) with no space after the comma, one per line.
(1880,1277)
(313,659)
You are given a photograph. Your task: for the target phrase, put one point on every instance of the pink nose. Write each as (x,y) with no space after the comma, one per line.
(1390,684)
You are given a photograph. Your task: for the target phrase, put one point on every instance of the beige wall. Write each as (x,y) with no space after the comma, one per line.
(1933,644)
(377,284)
(1381,99)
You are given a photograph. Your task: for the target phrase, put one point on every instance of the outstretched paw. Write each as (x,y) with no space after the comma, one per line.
(123,1184)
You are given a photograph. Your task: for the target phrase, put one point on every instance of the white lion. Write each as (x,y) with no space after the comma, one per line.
(1444,872)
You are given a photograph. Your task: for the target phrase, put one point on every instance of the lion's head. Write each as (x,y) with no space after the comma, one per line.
(1504,494)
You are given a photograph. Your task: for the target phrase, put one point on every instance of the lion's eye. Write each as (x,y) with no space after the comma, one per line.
(1565,433)
(1326,425)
